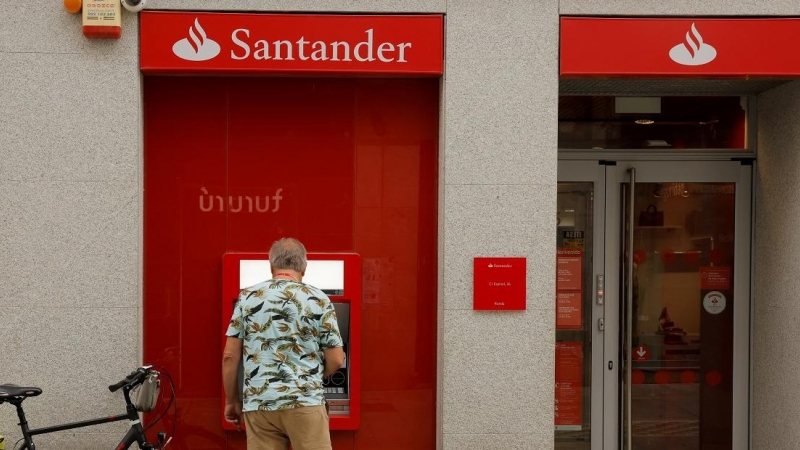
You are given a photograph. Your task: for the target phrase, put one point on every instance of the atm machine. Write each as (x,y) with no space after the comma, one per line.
(338,275)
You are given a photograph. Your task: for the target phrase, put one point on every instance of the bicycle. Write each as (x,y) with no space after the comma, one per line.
(143,382)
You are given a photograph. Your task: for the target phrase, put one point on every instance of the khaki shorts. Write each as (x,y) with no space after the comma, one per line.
(305,428)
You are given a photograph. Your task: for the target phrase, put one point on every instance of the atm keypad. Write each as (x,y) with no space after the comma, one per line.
(336,383)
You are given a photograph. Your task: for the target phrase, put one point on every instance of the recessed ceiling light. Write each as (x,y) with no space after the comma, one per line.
(645,121)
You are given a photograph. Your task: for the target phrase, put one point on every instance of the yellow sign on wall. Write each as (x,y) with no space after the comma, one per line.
(102,19)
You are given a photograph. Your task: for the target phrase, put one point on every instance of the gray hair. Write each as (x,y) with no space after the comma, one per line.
(288,253)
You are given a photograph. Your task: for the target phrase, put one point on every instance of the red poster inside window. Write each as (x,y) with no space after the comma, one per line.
(715,278)
(569,386)
(569,289)
(569,269)
(568,311)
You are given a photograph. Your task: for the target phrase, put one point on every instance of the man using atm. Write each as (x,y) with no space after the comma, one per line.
(287,332)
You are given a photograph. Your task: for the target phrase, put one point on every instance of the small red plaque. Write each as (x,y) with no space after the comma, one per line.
(715,278)
(499,284)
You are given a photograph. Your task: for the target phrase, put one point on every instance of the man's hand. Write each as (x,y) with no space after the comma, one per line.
(334,360)
(233,414)
(231,357)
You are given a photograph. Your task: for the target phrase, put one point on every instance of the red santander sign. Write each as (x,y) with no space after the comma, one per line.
(499,283)
(185,42)
(594,46)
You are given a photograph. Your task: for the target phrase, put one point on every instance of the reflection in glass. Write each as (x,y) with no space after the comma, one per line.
(573,351)
(683,304)
(656,123)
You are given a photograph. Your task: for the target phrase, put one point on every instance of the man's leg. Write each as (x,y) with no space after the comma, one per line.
(263,433)
(307,428)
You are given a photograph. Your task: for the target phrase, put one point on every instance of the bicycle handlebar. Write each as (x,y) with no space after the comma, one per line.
(135,376)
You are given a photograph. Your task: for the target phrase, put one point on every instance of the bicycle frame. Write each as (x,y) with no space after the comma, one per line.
(134,435)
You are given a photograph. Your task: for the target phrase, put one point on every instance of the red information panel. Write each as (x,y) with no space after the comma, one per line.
(569,289)
(499,283)
(570,269)
(715,278)
(569,385)
(265,43)
(568,310)
(680,46)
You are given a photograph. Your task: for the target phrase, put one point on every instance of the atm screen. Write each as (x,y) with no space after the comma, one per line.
(325,275)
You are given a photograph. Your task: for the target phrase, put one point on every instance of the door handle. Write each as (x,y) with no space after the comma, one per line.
(628,327)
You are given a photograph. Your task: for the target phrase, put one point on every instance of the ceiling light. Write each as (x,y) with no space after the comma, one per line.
(645,121)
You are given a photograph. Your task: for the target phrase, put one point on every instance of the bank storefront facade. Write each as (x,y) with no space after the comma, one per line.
(554,224)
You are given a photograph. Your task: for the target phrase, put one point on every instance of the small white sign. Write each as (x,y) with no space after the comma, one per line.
(714,302)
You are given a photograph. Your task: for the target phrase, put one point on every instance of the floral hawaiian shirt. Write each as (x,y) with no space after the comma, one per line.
(285,325)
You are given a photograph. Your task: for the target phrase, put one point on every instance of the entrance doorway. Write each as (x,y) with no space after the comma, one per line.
(653,305)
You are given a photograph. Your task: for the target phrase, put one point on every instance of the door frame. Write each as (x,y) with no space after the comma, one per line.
(607,177)
(593,172)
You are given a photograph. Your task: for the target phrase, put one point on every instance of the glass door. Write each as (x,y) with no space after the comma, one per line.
(678,252)
(652,305)
(579,306)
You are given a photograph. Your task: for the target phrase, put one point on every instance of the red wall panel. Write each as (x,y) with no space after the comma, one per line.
(350,165)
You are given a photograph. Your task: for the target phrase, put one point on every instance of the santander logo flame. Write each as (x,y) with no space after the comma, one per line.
(693,52)
(198,46)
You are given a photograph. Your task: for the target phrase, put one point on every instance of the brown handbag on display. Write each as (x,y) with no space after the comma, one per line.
(651,217)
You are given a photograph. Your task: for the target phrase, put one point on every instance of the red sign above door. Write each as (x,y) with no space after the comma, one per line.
(281,43)
(679,47)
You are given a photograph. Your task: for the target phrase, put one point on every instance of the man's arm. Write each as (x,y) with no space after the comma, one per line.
(330,339)
(231,358)
(334,360)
